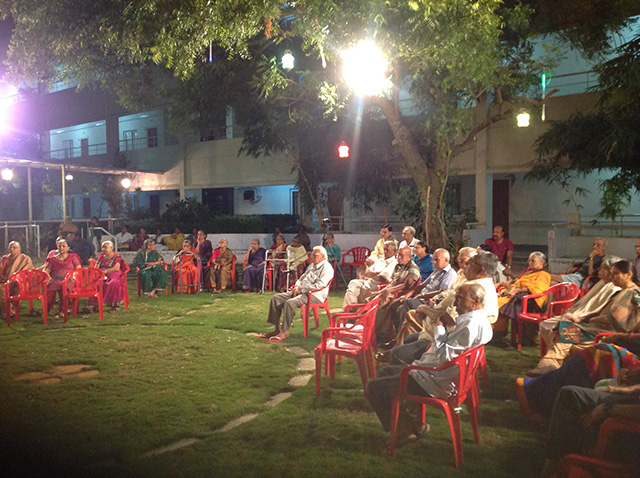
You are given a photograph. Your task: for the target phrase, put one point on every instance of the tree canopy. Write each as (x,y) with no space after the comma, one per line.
(451,55)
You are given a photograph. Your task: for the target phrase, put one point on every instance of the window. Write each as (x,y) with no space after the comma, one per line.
(152,138)
(67,145)
(129,139)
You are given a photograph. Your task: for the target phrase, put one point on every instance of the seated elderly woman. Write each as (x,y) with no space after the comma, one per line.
(253,271)
(114,285)
(423,259)
(186,271)
(58,264)
(219,272)
(153,275)
(592,367)
(622,314)
(510,294)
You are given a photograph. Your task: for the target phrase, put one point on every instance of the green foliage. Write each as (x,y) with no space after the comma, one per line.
(601,141)
(112,194)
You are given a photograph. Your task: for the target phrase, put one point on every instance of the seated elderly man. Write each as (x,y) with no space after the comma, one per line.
(588,267)
(442,278)
(408,238)
(285,304)
(478,270)
(11,263)
(471,330)
(406,275)
(380,272)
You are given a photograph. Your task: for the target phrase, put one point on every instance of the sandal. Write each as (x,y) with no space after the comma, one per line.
(279,337)
(267,335)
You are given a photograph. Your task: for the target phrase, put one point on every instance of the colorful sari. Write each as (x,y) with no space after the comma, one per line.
(186,274)
(151,278)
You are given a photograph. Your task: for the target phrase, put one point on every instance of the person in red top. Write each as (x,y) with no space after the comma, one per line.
(500,246)
(58,265)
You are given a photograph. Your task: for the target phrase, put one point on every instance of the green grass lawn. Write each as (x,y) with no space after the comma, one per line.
(183,366)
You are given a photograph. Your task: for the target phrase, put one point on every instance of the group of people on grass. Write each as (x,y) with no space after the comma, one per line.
(429,321)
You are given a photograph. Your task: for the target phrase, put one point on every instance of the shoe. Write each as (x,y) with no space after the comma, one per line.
(279,337)
(268,335)
(389,345)
(383,357)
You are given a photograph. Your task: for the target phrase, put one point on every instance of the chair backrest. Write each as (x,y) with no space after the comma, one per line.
(359,253)
(28,280)
(85,278)
(468,363)
(562,297)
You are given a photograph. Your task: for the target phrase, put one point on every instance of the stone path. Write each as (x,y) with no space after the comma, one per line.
(57,374)
(305,363)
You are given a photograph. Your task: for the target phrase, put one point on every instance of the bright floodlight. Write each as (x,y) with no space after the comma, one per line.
(288,60)
(523,119)
(69,177)
(126,182)
(7,174)
(364,69)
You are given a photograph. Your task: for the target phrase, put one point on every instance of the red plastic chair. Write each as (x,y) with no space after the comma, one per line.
(589,282)
(351,340)
(233,278)
(32,285)
(305,309)
(166,289)
(563,295)
(125,270)
(359,255)
(87,282)
(467,363)
(595,465)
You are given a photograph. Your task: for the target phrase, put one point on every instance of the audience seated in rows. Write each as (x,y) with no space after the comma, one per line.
(450,339)
(621,314)
(285,304)
(578,272)
(254,263)
(153,276)
(378,273)
(442,278)
(11,263)
(218,274)
(478,270)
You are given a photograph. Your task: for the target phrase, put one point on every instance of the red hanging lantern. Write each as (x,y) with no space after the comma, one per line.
(343,150)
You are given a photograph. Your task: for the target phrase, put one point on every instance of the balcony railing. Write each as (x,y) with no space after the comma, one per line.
(77,152)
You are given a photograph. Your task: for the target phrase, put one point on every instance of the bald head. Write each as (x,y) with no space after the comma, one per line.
(441,259)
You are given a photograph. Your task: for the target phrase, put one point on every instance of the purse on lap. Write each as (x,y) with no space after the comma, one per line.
(570,333)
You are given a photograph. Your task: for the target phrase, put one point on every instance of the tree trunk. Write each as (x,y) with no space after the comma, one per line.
(431,181)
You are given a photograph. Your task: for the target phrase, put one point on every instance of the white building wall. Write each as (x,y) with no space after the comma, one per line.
(267,200)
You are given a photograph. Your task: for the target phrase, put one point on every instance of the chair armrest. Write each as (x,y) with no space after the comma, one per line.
(610,426)
(602,335)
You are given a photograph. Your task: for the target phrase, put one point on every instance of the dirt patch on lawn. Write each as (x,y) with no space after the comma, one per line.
(57,374)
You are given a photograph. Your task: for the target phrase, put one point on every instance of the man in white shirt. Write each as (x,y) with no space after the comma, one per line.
(471,330)
(408,238)
(285,304)
(379,273)
(123,238)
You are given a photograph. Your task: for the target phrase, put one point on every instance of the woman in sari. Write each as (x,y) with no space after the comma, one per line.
(423,259)
(114,285)
(253,271)
(186,271)
(153,275)
(220,270)
(535,280)
(599,362)
(58,265)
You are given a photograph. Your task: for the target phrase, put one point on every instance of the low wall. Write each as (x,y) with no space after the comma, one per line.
(240,243)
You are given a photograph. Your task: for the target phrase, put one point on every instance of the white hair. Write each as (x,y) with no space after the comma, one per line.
(322,250)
